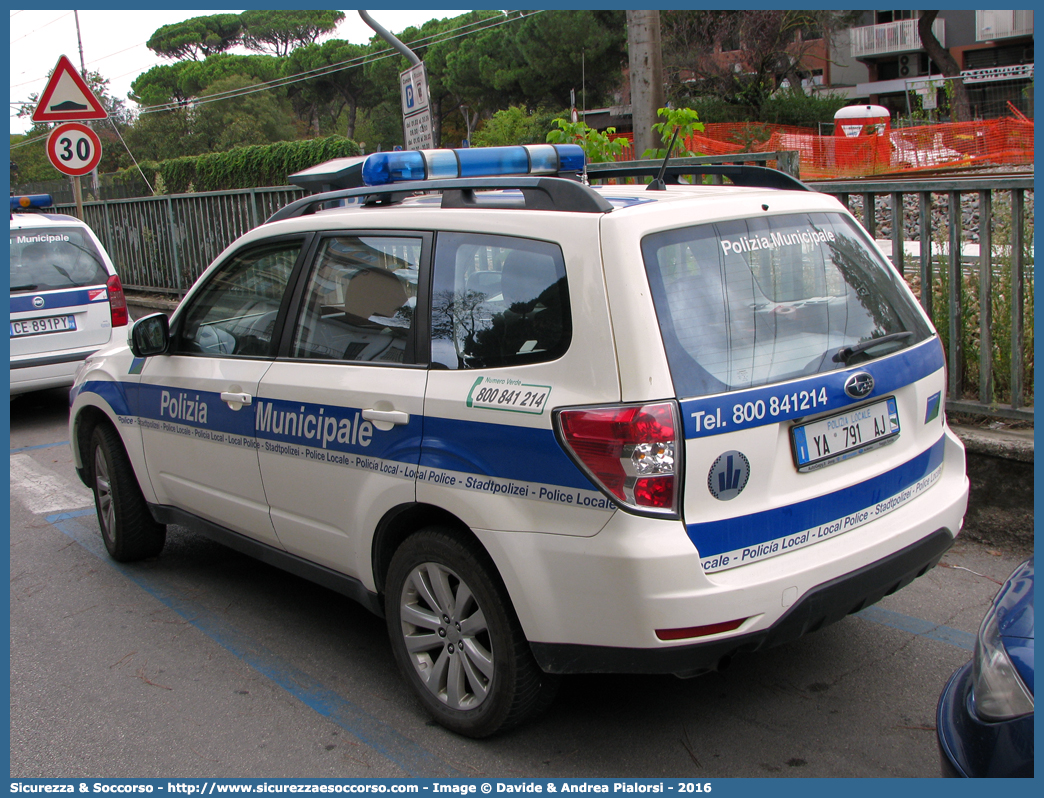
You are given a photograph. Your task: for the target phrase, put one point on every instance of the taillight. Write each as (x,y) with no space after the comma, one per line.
(631,452)
(117,302)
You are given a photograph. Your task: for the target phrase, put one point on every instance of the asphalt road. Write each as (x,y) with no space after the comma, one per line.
(205,663)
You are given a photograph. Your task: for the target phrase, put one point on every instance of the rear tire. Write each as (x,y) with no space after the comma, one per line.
(456,638)
(127,527)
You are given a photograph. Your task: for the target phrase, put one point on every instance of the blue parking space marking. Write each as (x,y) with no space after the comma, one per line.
(39,446)
(919,627)
(415,761)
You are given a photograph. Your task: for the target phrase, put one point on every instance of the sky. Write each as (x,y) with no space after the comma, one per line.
(114,43)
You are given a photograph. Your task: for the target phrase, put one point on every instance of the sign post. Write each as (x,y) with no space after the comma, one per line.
(72,148)
(416,110)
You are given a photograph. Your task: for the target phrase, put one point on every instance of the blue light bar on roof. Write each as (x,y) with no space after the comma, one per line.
(26,201)
(383,168)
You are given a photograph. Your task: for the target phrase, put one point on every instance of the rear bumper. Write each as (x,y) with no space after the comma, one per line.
(627,598)
(824,604)
(49,370)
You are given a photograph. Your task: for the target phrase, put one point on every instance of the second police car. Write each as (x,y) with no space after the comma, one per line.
(542,427)
(66,299)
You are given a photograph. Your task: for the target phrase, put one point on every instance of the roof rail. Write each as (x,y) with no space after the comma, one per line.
(538,193)
(740,175)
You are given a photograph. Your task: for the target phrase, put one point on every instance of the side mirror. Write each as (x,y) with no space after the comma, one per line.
(150,335)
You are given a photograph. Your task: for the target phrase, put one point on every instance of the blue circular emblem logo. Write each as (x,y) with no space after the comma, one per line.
(728,476)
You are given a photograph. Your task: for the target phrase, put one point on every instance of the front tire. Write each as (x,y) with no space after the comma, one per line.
(456,638)
(127,527)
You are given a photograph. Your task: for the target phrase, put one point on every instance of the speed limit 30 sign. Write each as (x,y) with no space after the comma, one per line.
(74,149)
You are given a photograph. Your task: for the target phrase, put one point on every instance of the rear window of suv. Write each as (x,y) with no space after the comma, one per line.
(750,302)
(56,258)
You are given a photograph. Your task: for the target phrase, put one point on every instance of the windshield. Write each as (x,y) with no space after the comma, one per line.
(756,301)
(44,260)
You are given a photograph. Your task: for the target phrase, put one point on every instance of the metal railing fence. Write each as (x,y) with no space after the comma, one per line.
(991,268)
(162,244)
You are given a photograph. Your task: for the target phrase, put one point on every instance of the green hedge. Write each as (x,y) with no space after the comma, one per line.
(243,167)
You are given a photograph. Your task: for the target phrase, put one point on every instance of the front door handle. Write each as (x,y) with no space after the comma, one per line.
(236,400)
(386,416)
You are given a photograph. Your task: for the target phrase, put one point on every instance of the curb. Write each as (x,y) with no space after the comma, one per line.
(1008,444)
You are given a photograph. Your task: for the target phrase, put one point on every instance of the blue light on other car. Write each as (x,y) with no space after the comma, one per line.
(383,168)
(31,201)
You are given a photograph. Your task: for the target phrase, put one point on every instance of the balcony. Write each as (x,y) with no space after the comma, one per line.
(892,38)
(990,25)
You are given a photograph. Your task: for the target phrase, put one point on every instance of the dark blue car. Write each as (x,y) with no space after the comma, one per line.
(985,718)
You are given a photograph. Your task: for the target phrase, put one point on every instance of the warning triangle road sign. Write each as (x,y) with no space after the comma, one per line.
(67,97)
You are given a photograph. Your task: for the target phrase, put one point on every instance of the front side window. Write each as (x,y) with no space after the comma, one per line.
(235,312)
(755,301)
(55,258)
(360,301)
(498,301)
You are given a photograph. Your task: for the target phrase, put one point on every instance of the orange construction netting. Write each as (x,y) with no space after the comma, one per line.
(948,145)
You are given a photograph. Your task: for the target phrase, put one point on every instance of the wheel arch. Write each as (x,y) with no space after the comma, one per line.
(401,522)
(87,413)
(83,424)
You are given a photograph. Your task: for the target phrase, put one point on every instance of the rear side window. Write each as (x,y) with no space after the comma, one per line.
(756,301)
(53,259)
(498,301)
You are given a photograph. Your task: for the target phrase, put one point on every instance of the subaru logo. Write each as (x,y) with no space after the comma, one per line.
(38,301)
(859,385)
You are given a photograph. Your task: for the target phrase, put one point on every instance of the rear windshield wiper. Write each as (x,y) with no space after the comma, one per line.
(27,287)
(845,353)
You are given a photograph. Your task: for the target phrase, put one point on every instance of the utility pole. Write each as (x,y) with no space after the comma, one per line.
(77,191)
(646,67)
(421,121)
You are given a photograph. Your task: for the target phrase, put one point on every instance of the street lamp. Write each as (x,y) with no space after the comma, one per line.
(467,124)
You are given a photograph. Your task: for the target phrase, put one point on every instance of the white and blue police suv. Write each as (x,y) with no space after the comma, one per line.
(542,427)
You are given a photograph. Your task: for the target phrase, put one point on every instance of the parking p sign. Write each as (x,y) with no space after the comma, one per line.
(414,85)
(416,115)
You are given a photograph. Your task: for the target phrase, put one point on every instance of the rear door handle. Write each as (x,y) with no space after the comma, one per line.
(386,416)
(236,399)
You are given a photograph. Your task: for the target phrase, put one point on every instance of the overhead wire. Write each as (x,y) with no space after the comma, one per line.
(329,69)
(320,71)
(436,38)
(93,61)
(41,27)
